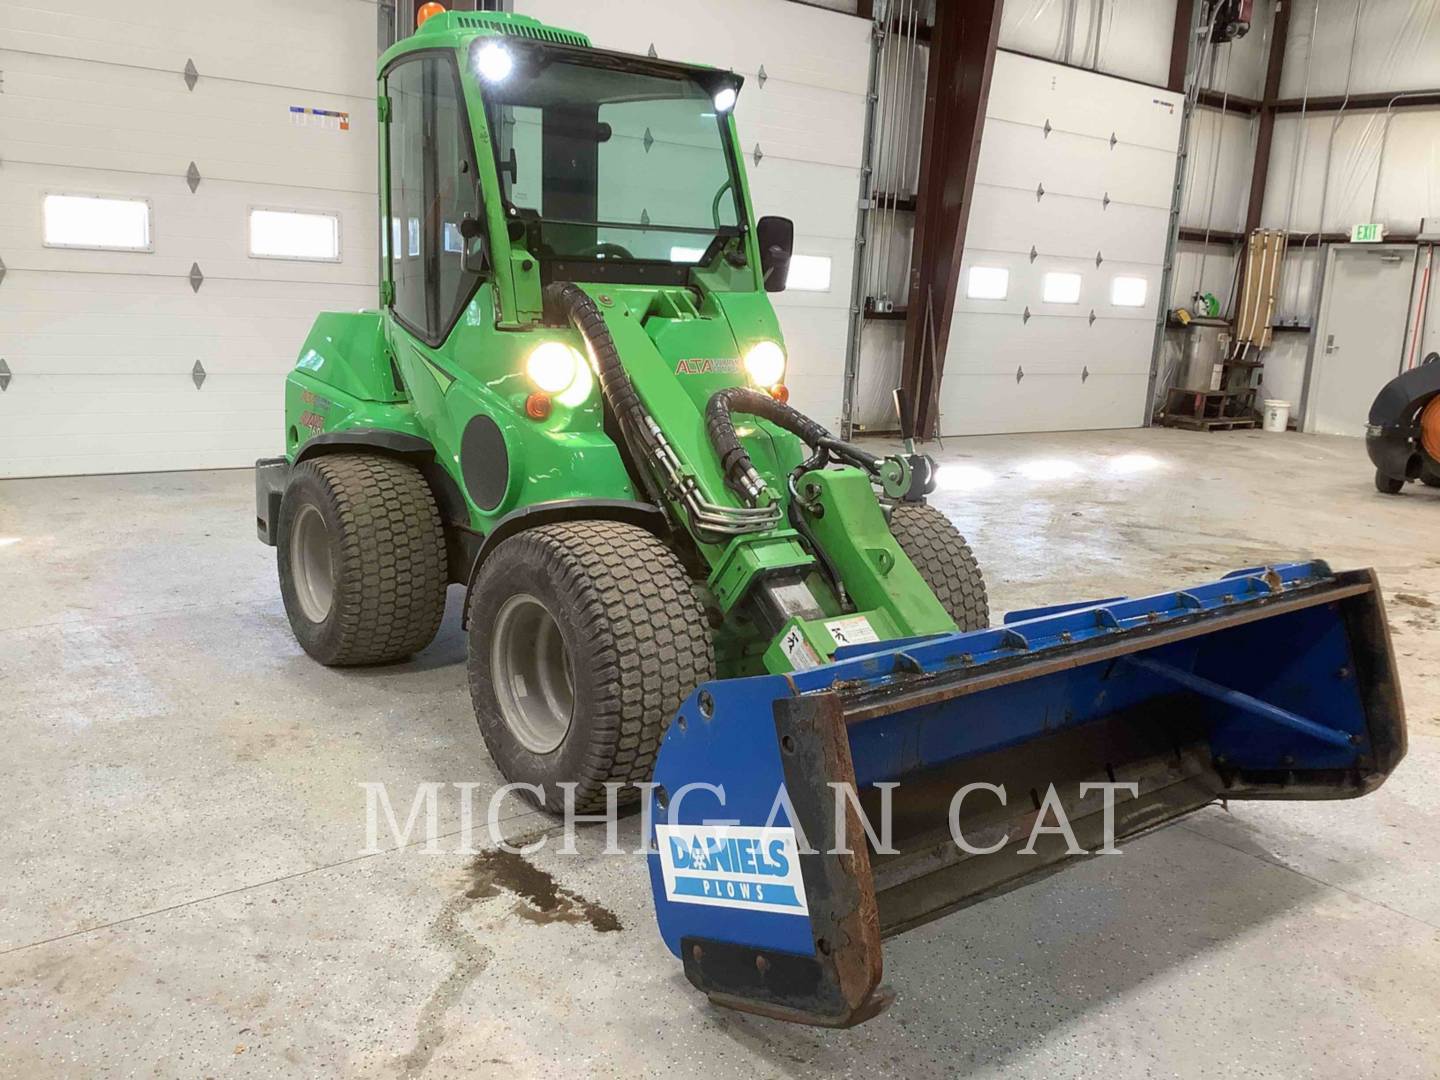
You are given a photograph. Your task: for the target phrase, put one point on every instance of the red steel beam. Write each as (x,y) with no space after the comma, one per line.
(1180,45)
(957,87)
(1264,137)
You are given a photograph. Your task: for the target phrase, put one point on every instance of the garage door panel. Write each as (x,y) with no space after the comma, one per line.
(1026,284)
(28,293)
(821,199)
(841,254)
(292,160)
(1022,157)
(1000,345)
(1030,91)
(51,103)
(231,41)
(978,404)
(1062,225)
(805,123)
(210,226)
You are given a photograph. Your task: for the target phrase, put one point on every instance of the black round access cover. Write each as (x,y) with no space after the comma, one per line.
(484,462)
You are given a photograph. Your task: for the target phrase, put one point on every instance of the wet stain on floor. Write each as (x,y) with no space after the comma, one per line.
(1413,601)
(542,899)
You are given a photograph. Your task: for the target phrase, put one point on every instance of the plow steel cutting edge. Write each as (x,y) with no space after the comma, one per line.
(1271,683)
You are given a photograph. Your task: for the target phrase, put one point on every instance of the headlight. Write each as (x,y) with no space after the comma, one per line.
(493,62)
(552,366)
(765,364)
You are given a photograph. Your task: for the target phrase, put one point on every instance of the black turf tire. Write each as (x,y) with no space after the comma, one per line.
(944,560)
(1429,477)
(637,640)
(1386,484)
(387,552)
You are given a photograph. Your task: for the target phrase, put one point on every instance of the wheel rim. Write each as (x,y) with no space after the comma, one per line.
(530,670)
(311,565)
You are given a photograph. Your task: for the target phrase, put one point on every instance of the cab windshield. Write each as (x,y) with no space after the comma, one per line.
(608,160)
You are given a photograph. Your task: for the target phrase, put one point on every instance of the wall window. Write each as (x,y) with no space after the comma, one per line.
(987,283)
(809,273)
(1128,291)
(1060,287)
(294,234)
(97,222)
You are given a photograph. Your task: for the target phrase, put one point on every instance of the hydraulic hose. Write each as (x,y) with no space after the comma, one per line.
(564,301)
(735,461)
(660,470)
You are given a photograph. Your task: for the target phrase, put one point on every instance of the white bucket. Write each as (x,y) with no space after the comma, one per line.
(1277,415)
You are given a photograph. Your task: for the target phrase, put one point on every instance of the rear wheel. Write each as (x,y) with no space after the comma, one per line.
(585,637)
(1386,484)
(931,541)
(362,559)
(1429,477)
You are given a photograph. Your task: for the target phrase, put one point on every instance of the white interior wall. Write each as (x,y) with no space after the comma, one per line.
(1337,159)
(1397,48)
(1347,150)
(1217,170)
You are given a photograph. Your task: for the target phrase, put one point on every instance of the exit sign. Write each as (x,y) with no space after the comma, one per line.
(1372,233)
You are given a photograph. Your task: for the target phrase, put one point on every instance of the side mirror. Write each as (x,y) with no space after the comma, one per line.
(777,241)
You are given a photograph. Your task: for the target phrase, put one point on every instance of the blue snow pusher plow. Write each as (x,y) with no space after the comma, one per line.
(1272,683)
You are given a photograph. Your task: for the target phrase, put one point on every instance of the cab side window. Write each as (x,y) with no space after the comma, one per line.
(432,190)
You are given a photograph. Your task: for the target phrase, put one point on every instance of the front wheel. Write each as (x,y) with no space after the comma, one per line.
(931,541)
(585,637)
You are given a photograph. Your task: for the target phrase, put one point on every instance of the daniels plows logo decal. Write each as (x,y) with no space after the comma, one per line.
(732,866)
(719,366)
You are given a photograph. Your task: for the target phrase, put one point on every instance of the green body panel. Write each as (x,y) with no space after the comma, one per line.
(679,346)
(858,541)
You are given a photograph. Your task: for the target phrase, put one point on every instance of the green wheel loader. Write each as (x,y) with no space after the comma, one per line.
(571,402)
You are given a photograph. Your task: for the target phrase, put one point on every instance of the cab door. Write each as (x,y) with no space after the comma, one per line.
(431,195)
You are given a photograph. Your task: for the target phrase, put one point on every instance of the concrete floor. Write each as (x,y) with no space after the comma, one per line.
(184,891)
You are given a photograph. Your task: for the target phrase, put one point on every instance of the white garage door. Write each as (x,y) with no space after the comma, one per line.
(97,116)
(801,119)
(1060,280)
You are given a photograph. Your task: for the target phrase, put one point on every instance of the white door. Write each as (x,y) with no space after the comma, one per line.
(99,124)
(801,119)
(1360,338)
(1060,278)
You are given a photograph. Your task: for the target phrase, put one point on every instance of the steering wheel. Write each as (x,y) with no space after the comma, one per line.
(607,248)
(715,202)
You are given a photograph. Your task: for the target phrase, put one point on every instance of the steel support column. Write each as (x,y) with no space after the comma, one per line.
(957,87)
(1264,137)
(1180,45)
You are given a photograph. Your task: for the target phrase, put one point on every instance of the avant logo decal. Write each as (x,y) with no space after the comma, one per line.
(725,366)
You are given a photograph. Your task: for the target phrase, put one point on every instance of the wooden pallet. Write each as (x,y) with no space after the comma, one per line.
(1208,423)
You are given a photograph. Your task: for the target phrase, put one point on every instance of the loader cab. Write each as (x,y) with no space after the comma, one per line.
(512,162)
